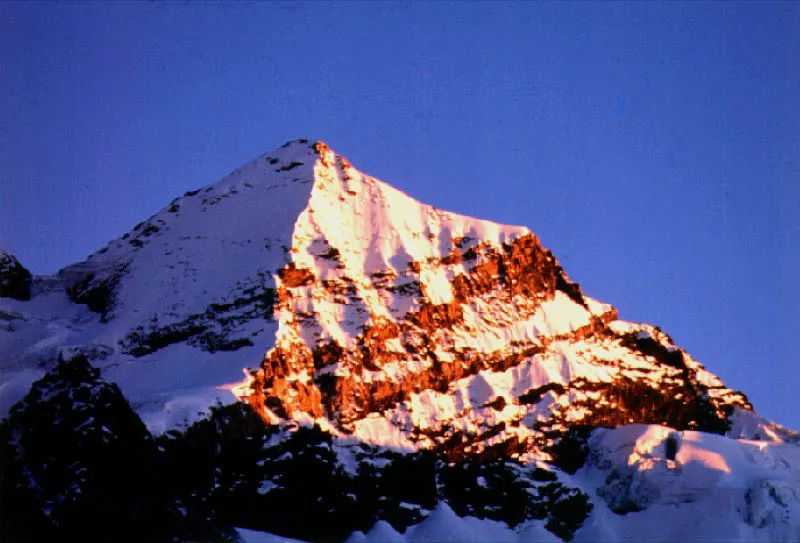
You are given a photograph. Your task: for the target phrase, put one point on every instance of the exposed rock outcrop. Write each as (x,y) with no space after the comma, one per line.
(15,280)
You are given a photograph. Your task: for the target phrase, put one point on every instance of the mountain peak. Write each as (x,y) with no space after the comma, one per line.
(382,337)
(233,245)
(341,293)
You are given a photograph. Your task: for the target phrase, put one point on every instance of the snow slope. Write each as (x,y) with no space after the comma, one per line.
(208,247)
(716,489)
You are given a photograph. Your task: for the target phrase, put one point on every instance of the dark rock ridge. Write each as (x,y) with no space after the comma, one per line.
(15,280)
(77,465)
(212,330)
(95,290)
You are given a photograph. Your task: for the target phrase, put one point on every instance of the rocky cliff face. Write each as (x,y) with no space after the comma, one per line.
(461,335)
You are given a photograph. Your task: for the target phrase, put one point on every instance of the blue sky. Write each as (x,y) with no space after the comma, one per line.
(652,146)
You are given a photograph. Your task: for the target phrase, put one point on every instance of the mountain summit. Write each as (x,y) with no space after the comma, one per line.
(379,335)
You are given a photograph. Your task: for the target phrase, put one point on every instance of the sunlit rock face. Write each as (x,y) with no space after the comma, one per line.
(405,325)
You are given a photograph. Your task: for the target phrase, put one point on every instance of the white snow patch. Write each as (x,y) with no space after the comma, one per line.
(253,536)
(716,489)
(380,431)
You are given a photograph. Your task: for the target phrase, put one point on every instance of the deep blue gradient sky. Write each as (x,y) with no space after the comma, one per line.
(654,147)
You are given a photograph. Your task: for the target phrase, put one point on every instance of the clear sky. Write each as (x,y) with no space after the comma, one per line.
(652,146)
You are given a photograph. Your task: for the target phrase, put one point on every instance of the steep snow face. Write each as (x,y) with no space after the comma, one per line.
(748,425)
(205,247)
(178,306)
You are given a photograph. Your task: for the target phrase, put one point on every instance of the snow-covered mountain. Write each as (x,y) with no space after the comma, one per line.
(312,320)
